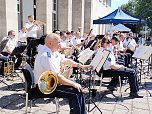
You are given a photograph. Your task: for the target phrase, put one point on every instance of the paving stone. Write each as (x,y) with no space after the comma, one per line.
(13,101)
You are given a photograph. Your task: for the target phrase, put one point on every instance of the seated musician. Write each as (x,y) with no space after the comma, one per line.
(122,51)
(49,58)
(10,46)
(65,44)
(112,69)
(76,41)
(130,44)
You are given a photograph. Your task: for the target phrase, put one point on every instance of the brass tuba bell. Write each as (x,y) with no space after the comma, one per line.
(47,82)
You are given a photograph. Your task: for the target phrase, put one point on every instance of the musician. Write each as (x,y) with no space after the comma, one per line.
(122,51)
(10,46)
(92,42)
(76,41)
(65,44)
(141,39)
(49,58)
(111,68)
(130,44)
(113,45)
(31,28)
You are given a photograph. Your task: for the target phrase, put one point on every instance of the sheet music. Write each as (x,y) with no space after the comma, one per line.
(148,53)
(85,55)
(143,52)
(99,59)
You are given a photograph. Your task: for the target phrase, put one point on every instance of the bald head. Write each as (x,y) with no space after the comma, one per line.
(52,37)
(52,41)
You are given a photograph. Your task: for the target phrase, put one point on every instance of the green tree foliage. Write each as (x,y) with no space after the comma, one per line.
(141,9)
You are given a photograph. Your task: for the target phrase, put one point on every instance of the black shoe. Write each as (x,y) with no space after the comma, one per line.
(135,95)
(111,88)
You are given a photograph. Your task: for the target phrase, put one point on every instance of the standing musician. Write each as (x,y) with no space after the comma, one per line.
(112,69)
(31,29)
(10,46)
(49,58)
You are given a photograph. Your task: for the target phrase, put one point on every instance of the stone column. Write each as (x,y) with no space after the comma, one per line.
(78,15)
(65,15)
(9,19)
(88,16)
(44,14)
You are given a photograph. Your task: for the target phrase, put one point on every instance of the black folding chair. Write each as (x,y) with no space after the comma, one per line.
(30,89)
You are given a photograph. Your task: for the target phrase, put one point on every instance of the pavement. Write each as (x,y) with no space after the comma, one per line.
(12,100)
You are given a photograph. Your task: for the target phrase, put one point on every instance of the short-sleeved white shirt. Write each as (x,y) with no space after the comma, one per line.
(64,43)
(75,41)
(33,32)
(46,60)
(111,60)
(21,34)
(12,43)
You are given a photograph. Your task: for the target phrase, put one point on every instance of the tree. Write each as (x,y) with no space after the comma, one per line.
(130,7)
(144,11)
(141,9)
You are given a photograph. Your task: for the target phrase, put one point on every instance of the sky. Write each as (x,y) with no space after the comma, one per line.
(116,3)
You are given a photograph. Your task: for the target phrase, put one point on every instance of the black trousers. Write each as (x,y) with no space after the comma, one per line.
(129,51)
(128,59)
(123,72)
(76,98)
(31,51)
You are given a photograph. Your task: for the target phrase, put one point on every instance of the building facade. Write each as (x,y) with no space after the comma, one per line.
(64,15)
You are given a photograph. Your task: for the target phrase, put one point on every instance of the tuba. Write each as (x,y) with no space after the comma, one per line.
(47,82)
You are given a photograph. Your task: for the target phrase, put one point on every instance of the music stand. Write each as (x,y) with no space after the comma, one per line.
(33,43)
(97,63)
(143,53)
(18,50)
(32,47)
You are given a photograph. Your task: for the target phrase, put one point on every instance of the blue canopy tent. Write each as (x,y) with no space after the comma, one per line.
(117,16)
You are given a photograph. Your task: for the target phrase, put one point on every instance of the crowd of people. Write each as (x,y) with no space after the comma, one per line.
(49,56)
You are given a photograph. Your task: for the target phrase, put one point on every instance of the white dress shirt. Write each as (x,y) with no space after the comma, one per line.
(111,60)
(33,31)
(12,43)
(46,60)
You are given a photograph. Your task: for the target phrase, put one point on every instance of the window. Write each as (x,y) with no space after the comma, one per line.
(54,15)
(34,8)
(18,6)
(54,5)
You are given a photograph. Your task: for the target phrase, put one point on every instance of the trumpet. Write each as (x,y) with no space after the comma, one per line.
(39,23)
